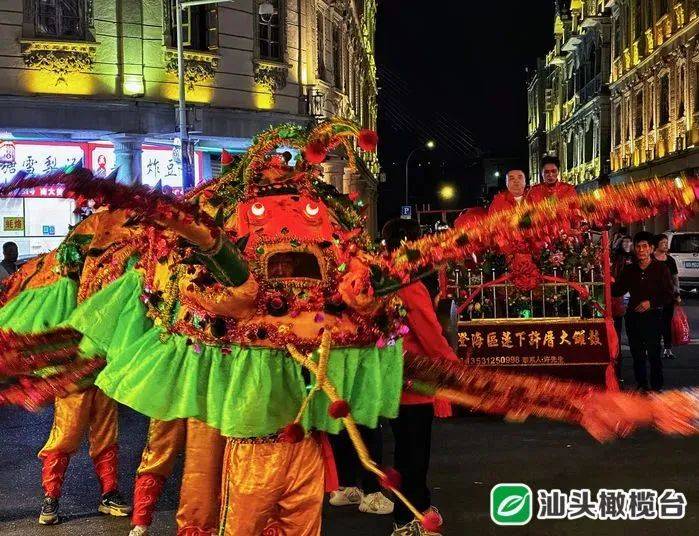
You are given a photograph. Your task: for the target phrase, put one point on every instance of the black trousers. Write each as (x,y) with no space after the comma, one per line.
(668,311)
(350,472)
(412,431)
(644,332)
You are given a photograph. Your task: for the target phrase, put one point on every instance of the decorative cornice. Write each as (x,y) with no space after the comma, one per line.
(58,57)
(199,66)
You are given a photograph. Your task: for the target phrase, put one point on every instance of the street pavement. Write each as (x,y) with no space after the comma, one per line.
(470,454)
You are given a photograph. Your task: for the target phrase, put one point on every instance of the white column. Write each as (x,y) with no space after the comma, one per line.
(127,154)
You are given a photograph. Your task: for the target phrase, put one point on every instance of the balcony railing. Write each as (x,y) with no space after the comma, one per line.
(547,300)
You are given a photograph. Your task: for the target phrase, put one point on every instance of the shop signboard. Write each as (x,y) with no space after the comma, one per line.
(37,158)
(13,223)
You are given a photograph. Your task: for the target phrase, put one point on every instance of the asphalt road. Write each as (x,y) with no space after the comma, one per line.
(470,455)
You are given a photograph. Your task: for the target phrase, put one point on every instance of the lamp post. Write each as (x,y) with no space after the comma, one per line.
(429,145)
(180,6)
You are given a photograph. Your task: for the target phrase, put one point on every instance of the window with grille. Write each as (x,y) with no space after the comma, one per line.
(680,94)
(617,124)
(63,19)
(337,56)
(320,44)
(269,35)
(665,100)
(638,118)
(589,142)
(199,26)
(638,19)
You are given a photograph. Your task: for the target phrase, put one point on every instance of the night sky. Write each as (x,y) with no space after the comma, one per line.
(454,71)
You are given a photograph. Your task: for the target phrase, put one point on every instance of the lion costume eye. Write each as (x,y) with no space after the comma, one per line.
(257,210)
(312,210)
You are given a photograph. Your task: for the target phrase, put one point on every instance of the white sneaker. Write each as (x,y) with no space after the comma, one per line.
(346,496)
(414,528)
(139,530)
(376,503)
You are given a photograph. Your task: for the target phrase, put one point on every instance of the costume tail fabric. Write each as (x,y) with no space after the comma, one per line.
(604,414)
(34,369)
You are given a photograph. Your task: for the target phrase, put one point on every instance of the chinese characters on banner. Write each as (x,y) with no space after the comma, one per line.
(158,164)
(38,159)
(534,343)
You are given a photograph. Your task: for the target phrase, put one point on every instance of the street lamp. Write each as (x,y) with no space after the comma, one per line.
(447,192)
(429,145)
(180,6)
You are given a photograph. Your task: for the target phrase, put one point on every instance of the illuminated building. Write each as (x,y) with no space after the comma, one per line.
(95,81)
(655,92)
(568,94)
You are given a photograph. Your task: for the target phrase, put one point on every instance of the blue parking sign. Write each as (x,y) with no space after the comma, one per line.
(406,212)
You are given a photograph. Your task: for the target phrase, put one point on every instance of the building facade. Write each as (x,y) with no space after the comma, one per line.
(655,92)
(95,82)
(536,125)
(574,123)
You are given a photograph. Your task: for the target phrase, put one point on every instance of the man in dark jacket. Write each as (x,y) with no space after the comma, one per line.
(649,285)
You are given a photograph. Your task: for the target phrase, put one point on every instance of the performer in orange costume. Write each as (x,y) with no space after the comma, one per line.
(516,182)
(69,270)
(551,185)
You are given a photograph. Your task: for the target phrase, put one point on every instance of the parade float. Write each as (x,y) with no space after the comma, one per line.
(257,305)
(540,310)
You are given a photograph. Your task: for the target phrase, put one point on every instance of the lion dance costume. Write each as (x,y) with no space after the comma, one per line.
(257,307)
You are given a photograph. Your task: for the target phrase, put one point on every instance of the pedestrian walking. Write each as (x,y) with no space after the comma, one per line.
(649,285)
(661,255)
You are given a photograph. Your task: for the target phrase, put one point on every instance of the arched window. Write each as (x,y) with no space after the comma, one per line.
(269,34)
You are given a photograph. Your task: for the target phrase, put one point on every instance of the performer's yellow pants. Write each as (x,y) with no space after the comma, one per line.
(277,485)
(200,494)
(165,440)
(89,411)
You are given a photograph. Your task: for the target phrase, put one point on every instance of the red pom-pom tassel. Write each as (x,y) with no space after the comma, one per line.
(391,479)
(292,433)
(315,152)
(431,521)
(339,409)
(368,140)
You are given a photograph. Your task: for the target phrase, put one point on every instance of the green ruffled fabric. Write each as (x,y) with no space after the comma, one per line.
(245,392)
(41,308)
(250,391)
(113,318)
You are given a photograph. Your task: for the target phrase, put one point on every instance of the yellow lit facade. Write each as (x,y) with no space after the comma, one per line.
(568,94)
(655,92)
(113,74)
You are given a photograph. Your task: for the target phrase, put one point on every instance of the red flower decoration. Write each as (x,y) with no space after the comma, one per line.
(368,140)
(292,433)
(524,273)
(339,409)
(315,152)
